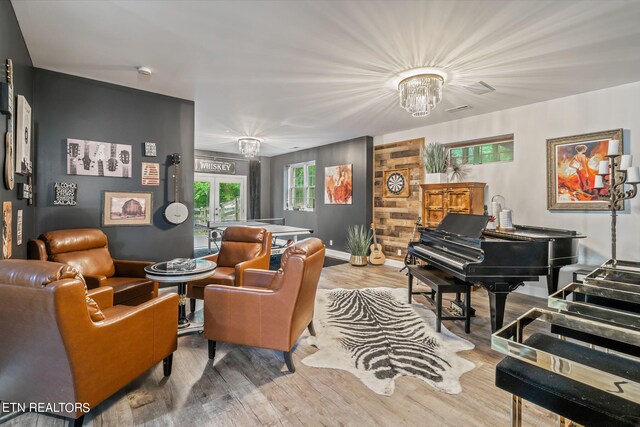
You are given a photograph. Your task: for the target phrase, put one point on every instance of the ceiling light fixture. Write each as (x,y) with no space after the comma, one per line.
(249,147)
(420,90)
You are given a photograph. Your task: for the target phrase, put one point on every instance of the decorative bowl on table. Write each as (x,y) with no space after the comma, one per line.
(181,264)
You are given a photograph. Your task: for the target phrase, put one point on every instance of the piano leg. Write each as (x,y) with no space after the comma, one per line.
(552,280)
(497,301)
(410,286)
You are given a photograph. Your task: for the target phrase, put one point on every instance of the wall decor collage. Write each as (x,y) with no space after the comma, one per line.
(110,160)
(17,157)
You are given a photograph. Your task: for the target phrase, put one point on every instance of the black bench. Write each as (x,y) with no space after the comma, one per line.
(569,398)
(441,283)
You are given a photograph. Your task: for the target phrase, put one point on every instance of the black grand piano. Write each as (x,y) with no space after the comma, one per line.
(498,261)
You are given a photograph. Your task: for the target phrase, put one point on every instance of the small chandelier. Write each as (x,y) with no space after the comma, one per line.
(250,147)
(420,93)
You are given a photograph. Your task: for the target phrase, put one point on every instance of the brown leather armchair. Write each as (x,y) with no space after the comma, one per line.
(241,248)
(59,343)
(87,249)
(272,308)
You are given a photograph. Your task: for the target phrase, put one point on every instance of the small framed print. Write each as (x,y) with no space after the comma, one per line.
(19,227)
(127,208)
(396,183)
(65,194)
(23,137)
(7,220)
(150,149)
(150,174)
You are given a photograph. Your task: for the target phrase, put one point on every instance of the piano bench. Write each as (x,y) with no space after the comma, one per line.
(441,283)
(568,398)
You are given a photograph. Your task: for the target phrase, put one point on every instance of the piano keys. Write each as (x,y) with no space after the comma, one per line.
(499,262)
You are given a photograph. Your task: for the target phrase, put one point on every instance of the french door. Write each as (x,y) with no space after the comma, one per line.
(220,198)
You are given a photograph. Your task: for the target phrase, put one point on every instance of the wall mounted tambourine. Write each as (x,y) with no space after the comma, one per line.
(396,183)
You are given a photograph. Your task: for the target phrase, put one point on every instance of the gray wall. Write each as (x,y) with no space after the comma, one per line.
(14,47)
(329,222)
(74,107)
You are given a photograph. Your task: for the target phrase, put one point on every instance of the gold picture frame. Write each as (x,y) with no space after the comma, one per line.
(131,208)
(396,183)
(572,164)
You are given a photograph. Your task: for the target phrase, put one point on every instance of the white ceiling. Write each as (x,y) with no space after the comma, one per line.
(301,74)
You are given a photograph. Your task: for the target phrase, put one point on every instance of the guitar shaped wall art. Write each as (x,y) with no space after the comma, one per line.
(125,157)
(73,149)
(376,257)
(86,158)
(112,163)
(100,157)
(9,155)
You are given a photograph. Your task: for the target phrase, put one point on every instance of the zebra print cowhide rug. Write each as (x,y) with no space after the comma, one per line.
(375,335)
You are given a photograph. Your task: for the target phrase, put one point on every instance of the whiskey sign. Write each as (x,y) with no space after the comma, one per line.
(215,166)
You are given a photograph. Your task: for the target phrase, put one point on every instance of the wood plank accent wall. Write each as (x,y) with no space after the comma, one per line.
(395,217)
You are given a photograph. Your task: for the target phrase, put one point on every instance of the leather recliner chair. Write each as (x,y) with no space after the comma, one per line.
(62,344)
(272,308)
(87,249)
(241,248)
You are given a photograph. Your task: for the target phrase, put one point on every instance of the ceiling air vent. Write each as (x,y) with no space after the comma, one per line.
(458,108)
(480,88)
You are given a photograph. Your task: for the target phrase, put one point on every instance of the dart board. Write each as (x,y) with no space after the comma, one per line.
(396,183)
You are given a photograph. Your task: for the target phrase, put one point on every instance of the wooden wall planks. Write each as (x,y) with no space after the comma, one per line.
(395,218)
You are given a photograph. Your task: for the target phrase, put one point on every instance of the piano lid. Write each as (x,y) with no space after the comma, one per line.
(464,224)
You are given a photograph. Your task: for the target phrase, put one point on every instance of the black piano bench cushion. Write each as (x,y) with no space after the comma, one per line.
(573,400)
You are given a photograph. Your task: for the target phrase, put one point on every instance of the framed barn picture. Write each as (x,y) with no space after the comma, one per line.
(130,208)
(572,166)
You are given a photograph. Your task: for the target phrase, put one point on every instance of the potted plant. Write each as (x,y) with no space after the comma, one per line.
(434,158)
(358,241)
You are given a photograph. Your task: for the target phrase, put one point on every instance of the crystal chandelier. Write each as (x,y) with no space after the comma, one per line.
(420,93)
(250,147)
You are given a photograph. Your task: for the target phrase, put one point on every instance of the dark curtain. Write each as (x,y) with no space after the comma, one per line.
(254,189)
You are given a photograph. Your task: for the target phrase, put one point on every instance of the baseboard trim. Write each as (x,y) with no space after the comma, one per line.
(345,256)
(337,254)
(394,263)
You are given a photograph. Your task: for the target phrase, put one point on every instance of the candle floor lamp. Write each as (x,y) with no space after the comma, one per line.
(616,172)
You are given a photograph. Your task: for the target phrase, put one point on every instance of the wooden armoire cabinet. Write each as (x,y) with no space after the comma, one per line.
(458,197)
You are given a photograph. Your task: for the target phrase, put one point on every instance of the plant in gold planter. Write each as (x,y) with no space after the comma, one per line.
(358,241)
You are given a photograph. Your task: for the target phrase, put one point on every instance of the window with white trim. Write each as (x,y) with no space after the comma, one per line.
(481,151)
(300,183)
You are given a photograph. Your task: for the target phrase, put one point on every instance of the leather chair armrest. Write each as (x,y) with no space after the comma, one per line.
(94,281)
(257,278)
(153,326)
(164,305)
(102,296)
(213,257)
(131,268)
(37,250)
(261,262)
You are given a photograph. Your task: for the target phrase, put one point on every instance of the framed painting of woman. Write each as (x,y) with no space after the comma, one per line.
(572,165)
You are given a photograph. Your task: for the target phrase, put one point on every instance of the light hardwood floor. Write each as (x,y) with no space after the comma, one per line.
(249,386)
